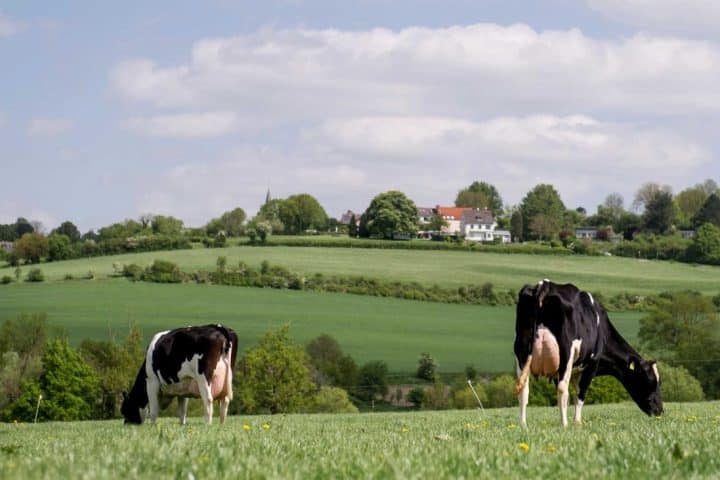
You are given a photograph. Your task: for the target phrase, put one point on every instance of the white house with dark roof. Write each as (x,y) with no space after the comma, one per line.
(480,226)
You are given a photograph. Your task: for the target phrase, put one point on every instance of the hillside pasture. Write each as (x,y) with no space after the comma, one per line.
(368,328)
(608,275)
(615,441)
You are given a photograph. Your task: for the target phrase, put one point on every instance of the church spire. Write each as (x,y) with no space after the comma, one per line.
(267,197)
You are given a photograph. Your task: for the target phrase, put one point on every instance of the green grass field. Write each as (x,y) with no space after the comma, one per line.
(616,442)
(368,328)
(608,275)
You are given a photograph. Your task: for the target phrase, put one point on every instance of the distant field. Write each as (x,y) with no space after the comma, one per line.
(616,441)
(368,328)
(608,275)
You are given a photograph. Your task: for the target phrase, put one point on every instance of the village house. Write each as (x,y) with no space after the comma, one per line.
(586,232)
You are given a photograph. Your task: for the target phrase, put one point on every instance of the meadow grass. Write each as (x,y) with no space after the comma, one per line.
(368,328)
(615,441)
(608,275)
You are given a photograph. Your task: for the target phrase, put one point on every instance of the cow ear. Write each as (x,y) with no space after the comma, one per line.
(634,362)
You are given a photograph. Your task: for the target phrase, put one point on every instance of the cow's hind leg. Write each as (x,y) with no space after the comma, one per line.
(564,383)
(524,392)
(182,409)
(224,404)
(206,396)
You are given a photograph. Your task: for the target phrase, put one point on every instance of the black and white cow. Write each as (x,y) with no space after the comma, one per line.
(185,362)
(559,328)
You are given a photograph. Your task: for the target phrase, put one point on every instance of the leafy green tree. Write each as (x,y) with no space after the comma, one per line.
(372,380)
(59,247)
(389,213)
(709,212)
(416,396)
(437,223)
(69,388)
(116,365)
(128,228)
(705,246)
(22,226)
(275,376)
(426,367)
(166,225)
(678,385)
(659,213)
(544,226)
(480,195)
(542,199)
(647,192)
(259,230)
(31,247)
(628,224)
(680,328)
(500,392)
(230,222)
(332,365)
(68,229)
(302,212)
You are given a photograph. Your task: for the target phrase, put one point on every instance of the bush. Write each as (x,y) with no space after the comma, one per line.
(133,271)
(500,392)
(372,380)
(678,385)
(6,279)
(68,276)
(437,397)
(426,367)
(463,398)
(416,396)
(606,389)
(163,271)
(331,400)
(35,275)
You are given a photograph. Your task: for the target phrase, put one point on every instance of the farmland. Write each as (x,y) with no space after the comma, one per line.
(607,275)
(368,328)
(615,441)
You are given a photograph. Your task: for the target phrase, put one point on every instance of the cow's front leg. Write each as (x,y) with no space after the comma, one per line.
(565,373)
(583,384)
(153,391)
(182,409)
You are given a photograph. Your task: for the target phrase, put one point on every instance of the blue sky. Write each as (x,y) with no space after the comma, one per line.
(193,108)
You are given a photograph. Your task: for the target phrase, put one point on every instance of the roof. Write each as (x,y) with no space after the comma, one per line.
(454,213)
(425,212)
(478,216)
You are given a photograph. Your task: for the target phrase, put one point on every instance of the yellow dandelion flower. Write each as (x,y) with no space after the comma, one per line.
(551,449)
(404,430)
(246,427)
(524,447)
(266,426)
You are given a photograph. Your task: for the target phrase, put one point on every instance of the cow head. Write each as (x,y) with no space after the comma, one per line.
(130,409)
(643,385)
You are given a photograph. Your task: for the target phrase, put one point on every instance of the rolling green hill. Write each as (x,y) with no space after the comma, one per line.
(368,328)
(608,275)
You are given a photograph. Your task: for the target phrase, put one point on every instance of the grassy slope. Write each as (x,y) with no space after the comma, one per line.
(616,441)
(368,328)
(608,275)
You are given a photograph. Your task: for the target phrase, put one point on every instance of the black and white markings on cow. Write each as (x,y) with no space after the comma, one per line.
(181,363)
(561,326)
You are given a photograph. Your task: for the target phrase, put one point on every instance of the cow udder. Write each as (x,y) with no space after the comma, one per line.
(545,354)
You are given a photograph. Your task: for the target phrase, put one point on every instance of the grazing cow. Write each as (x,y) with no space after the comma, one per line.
(185,362)
(558,328)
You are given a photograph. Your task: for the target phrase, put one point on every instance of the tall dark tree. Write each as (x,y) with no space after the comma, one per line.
(647,192)
(332,365)
(68,229)
(352,227)
(542,199)
(516,225)
(480,195)
(22,226)
(709,212)
(389,213)
(659,213)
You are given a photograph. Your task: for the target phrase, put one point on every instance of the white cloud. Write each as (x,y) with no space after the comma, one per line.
(691,17)
(188,125)
(47,126)
(9,26)
(471,70)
